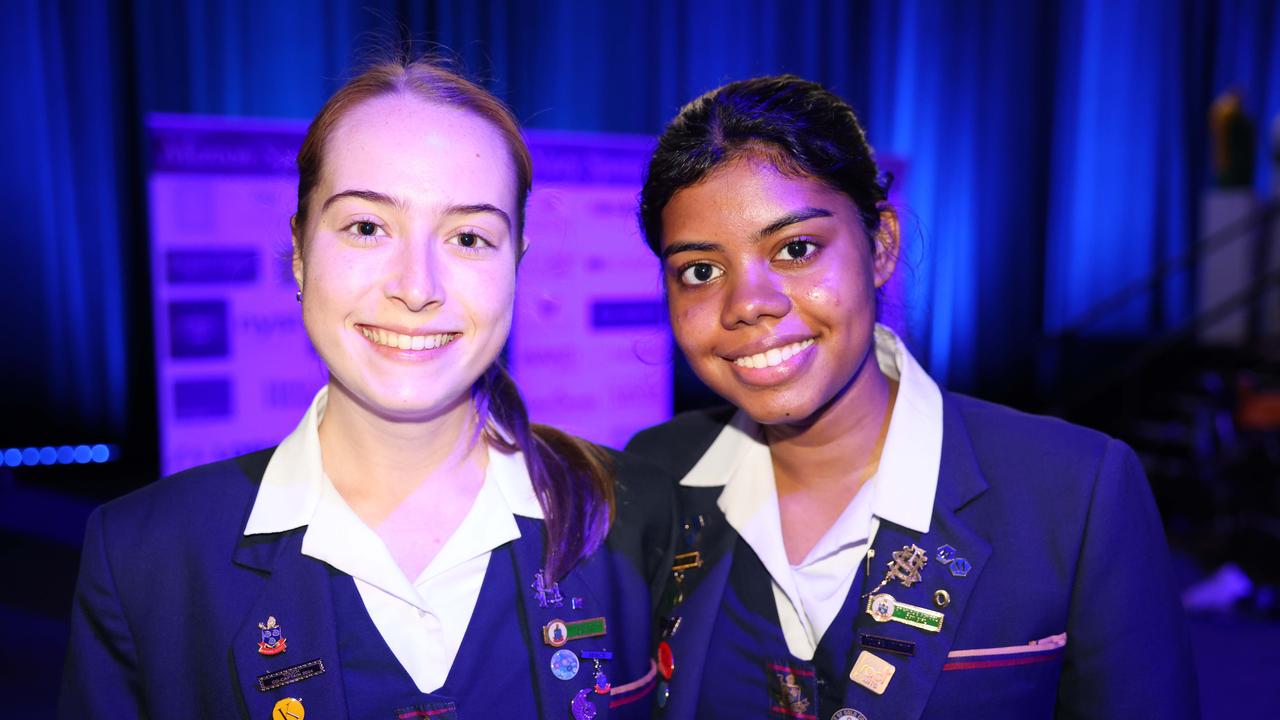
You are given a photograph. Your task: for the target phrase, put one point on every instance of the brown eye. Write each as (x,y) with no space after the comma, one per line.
(797,250)
(366,228)
(470,241)
(699,273)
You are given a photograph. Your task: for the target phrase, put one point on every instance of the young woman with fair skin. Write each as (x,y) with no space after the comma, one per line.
(858,542)
(415,548)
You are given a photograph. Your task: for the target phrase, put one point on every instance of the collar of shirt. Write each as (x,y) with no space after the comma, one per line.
(901,491)
(295,492)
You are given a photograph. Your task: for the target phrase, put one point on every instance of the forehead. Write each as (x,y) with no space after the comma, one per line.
(399,143)
(742,196)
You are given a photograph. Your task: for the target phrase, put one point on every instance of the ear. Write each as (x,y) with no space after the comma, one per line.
(297,251)
(887,244)
(524,248)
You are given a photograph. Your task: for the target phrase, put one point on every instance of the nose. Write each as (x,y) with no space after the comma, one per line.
(754,295)
(416,277)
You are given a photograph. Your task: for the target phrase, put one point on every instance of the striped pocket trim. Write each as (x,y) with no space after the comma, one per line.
(630,692)
(1036,651)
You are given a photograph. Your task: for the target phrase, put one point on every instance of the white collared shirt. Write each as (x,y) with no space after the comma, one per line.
(809,595)
(422,620)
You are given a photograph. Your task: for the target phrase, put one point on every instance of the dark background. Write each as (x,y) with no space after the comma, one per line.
(1058,156)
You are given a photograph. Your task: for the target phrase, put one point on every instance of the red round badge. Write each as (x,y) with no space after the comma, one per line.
(666,662)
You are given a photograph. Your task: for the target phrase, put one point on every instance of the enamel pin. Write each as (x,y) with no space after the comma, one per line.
(273,639)
(547,596)
(582,708)
(893,645)
(872,672)
(946,554)
(564,664)
(848,714)
(558,632)
(883,608)
(666,660)
(288,709)
(602,685)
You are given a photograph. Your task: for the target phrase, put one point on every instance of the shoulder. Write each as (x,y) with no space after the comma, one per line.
(640,484)
(1043,466)
(1003,436)
(676,445)
(198,502)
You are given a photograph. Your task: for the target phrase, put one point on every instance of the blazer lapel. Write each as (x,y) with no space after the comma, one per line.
(298,595)
(703,590)
(556,696)
(959,482)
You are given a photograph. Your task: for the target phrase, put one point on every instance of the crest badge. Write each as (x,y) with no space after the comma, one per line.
(546,595)
(273,639)
(787,691)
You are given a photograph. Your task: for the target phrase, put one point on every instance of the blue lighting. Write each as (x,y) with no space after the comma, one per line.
(61,455)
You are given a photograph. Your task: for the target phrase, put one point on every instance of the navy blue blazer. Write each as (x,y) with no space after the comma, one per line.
(170,595)
(1061,535)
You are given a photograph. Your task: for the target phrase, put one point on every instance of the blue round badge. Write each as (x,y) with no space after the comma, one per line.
(564,664)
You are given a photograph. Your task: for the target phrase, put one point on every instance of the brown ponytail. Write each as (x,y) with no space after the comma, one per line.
(572,478)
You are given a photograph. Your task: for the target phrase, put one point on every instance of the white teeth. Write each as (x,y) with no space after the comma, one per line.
(379,336)
(773,357)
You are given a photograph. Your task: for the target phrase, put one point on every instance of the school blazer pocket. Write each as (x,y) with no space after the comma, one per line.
(1013,682)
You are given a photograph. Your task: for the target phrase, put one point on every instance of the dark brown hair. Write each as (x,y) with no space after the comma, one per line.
(572,478)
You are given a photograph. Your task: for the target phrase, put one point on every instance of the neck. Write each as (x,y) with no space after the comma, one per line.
(816,453)
(376,462)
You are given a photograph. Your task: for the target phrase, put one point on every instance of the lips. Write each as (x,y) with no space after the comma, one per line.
(406,341)
(773,360)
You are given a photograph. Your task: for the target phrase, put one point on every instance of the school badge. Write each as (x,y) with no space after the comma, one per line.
(907,564)
(905,567)
(273,639)
(787,695)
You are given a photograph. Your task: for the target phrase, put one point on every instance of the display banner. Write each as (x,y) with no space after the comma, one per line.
(235,370)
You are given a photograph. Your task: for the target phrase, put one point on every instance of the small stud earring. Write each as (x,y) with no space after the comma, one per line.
(299,296)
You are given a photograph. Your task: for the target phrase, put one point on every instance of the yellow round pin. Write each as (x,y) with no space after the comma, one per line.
(288,709)
(942,598)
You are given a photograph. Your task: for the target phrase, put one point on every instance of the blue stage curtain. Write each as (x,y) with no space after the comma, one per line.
(1056,150)
(1127,132)
(64,281)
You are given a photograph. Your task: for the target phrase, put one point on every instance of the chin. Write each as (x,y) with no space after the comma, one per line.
(776,411)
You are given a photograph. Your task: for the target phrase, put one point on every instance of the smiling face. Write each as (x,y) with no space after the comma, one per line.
(771,284)
(408,258)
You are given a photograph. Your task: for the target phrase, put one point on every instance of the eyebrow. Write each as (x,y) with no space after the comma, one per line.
(680,247)
(372,196)
(478,208)
(790,218)
(378,198)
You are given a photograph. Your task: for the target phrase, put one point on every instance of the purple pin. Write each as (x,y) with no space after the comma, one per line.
(582,708)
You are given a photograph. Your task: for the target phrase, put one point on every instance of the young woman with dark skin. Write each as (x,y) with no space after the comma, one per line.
(859,543)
